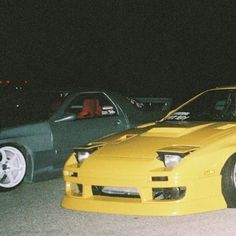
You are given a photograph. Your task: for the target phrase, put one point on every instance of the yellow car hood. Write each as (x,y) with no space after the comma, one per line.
(144,142)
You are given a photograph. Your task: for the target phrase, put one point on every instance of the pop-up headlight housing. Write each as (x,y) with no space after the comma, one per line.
(82,153)
(172,156)
(170,160)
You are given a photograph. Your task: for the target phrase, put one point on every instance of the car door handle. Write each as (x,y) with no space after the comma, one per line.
(117,122)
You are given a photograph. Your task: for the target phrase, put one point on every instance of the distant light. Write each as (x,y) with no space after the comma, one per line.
(8,81)
(19,88)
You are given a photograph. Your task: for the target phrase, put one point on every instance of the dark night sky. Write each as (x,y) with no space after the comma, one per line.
(149,48)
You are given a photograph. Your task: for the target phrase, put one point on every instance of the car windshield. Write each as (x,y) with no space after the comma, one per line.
(213,105)
(27,107)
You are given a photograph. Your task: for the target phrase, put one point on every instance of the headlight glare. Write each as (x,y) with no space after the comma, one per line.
(171,160)
(83,153)
(81,156)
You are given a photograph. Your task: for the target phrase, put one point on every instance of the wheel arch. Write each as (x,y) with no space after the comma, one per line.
(233,155)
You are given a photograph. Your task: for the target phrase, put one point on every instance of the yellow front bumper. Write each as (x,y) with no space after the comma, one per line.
(130,207)
(203,194)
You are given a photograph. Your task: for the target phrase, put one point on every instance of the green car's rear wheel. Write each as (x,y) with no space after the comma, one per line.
(12,167)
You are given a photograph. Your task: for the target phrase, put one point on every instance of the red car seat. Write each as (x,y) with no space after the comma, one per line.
(91,108)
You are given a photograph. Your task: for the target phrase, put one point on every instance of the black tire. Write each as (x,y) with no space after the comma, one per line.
(228,183)
(12,167)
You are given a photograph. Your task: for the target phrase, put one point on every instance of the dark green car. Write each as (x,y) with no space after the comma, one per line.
(39,129)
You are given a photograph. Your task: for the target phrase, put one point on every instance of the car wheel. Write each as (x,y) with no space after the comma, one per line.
(12,167)
(229,182)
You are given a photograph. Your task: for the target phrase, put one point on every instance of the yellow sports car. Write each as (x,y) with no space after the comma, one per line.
(183,164)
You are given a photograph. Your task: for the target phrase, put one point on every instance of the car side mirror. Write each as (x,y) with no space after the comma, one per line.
(67,117)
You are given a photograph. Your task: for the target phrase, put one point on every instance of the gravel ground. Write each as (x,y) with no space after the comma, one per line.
(34,209)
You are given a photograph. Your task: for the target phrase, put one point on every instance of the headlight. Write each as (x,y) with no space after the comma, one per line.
(172,155)
(171,159)
(81,156)
(83,153)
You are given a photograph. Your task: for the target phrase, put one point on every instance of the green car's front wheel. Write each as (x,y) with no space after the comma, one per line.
(12,167)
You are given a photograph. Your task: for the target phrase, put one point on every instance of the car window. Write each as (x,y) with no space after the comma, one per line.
(215,105)
(91,105)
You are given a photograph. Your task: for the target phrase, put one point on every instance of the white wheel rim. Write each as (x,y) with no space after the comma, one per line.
(12,167)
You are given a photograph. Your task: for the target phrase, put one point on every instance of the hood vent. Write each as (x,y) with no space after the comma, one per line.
(174,132)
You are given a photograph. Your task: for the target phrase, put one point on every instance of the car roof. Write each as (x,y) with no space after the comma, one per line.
(227,87)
